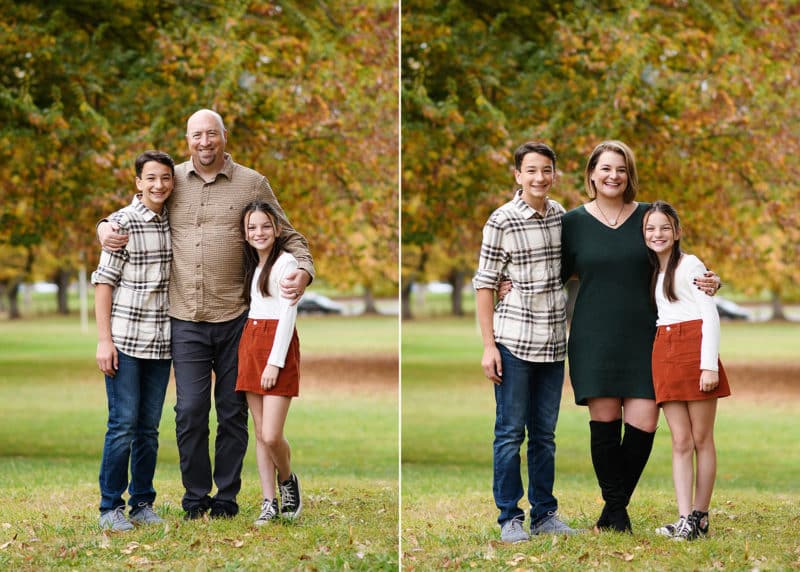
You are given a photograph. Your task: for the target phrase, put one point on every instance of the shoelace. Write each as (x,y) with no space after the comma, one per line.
(146,509)
(684,528)
(118,515)
(287,495)
(267,510)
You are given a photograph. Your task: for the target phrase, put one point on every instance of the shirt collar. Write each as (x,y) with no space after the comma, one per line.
(227,167)
(527,210)
(145,212)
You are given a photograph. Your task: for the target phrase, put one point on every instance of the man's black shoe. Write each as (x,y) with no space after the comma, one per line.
(223,509)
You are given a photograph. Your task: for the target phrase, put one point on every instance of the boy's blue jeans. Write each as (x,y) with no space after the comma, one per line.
(135,400)
(528,398)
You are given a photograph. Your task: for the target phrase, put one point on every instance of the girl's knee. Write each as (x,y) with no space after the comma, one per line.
(704,442)
(683,443)
(272,441)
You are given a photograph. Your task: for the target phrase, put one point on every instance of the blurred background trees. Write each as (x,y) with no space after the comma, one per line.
(308,91)
(706,94)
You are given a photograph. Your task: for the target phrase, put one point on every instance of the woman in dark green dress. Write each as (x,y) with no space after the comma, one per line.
(613,325)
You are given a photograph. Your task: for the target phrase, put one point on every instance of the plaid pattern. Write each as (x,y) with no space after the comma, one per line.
(207,270)
(524,246)
(139,274)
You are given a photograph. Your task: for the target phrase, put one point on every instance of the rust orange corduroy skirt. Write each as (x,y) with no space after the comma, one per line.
(676,364)
(254,350)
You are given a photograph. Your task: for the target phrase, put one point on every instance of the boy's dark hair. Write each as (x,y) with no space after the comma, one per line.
(533,147)
(674,257)
(251,254)
(157,156)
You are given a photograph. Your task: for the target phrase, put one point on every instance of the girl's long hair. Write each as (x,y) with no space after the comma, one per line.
(669,272)
(251,254)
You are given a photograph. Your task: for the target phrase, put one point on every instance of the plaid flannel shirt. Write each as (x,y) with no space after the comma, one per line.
(522,245)
(139,273)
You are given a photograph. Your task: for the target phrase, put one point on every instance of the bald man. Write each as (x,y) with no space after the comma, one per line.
(207,309)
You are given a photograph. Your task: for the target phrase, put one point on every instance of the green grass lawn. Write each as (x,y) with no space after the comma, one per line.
(448,515)
(52,422)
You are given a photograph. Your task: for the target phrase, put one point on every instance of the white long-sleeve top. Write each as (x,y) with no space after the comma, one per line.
(692,304)
(275,307)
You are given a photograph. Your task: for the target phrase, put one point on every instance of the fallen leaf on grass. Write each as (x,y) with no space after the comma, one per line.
(132,546)
(6,544)
(6,525)
(516,559)
(490,550)
(447,563)
(105,541)
(139,560)
(626,556)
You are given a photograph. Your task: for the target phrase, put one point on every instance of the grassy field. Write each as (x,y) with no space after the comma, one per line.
(52,422)
(449,518)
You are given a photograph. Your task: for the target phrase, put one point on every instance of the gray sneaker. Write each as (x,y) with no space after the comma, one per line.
(513,531)
(144,514)
(115,521)
(551,524)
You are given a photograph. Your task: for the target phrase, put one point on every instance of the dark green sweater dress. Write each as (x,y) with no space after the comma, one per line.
(614,323)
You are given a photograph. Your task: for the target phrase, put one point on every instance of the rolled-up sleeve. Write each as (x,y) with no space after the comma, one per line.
(109,269)
(493,258)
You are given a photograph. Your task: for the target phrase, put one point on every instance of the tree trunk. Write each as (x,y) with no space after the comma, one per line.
(405,300)
(13,302)
(408,285)
(61,278)
(369,301)
(456,280)
(777,307)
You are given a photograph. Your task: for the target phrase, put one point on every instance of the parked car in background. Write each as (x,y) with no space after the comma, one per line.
(313,303)
(730,310)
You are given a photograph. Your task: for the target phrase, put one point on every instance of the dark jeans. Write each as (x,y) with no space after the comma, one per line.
(198,349)
(135,400)
(529,397)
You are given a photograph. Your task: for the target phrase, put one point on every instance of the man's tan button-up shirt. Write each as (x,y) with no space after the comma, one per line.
(207,272)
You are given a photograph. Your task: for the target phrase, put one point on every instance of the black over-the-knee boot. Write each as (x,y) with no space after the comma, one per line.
(609,468)
(636,448)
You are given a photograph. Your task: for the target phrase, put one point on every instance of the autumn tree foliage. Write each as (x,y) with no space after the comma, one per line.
(308,92)
(705,94)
